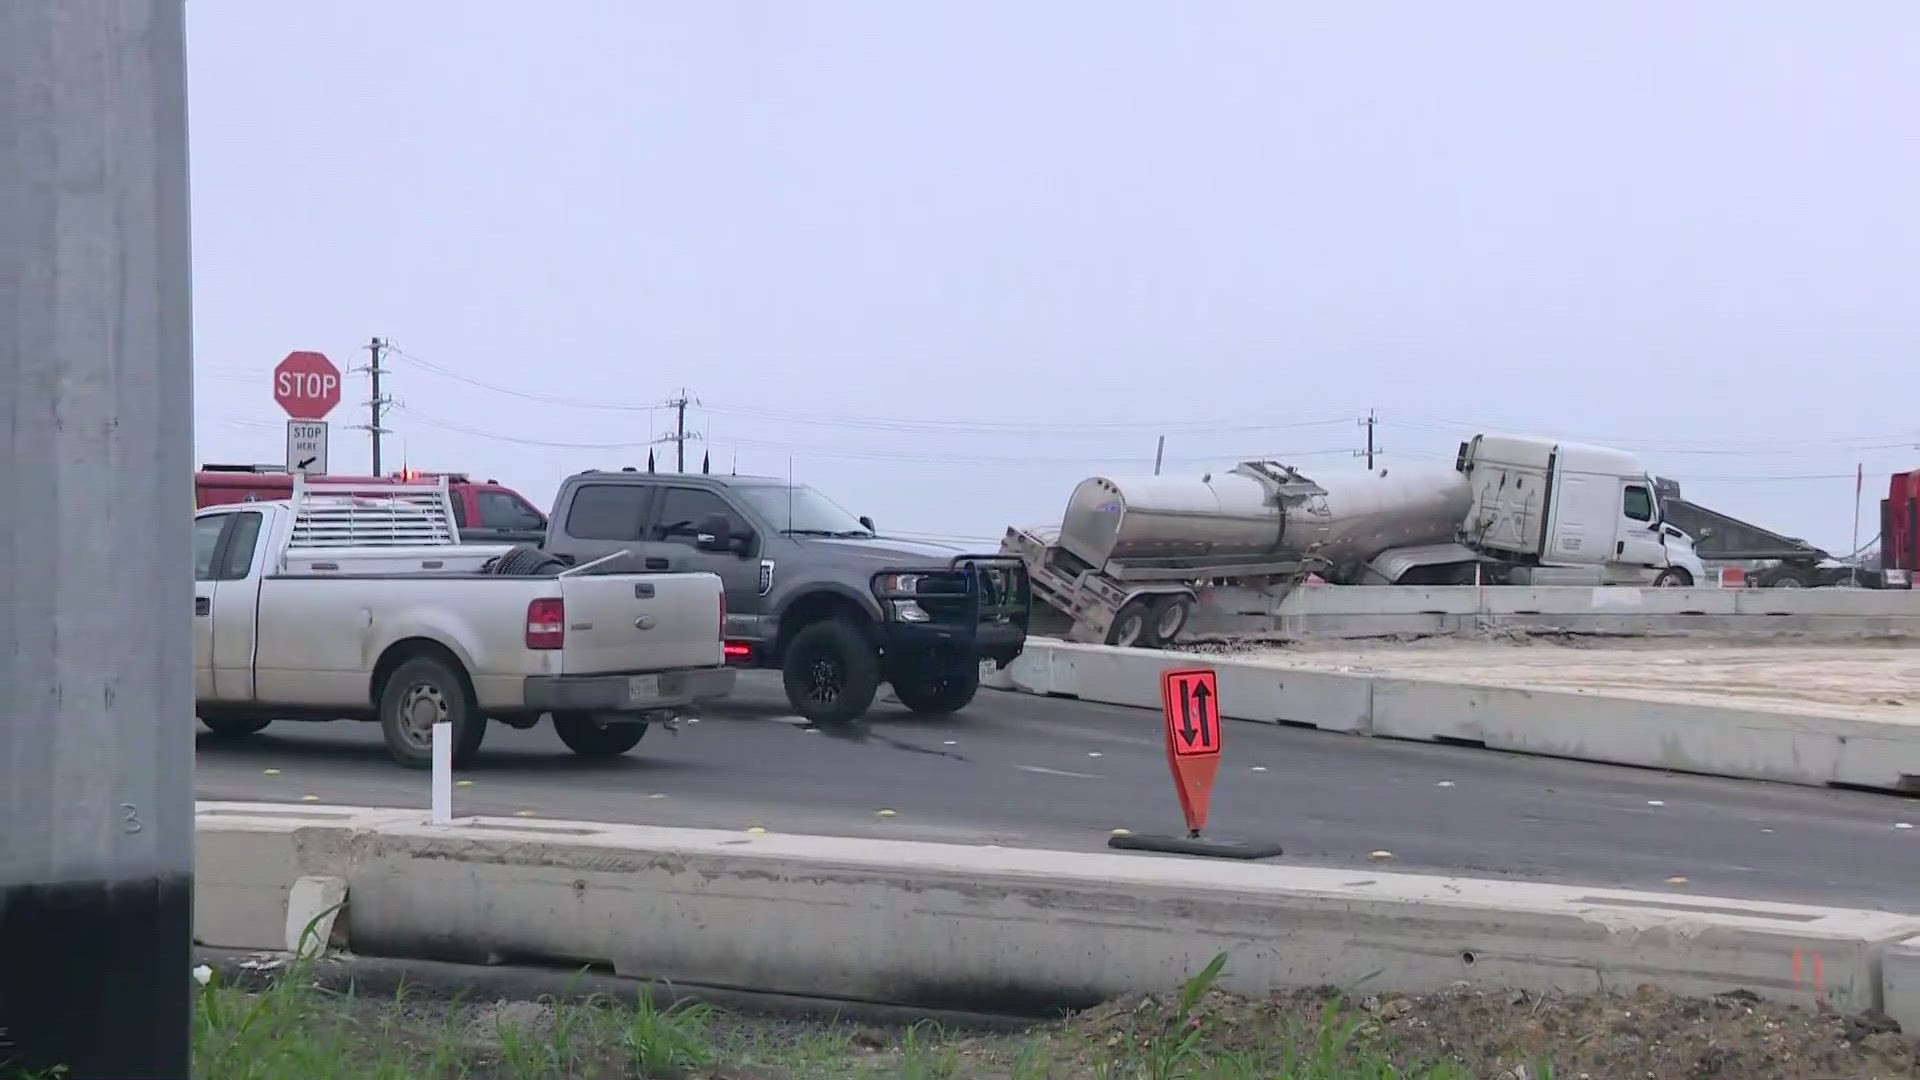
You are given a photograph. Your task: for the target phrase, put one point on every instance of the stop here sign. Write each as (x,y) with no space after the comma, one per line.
(307,385)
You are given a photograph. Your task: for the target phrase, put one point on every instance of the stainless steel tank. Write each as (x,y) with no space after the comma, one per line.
(1250,515)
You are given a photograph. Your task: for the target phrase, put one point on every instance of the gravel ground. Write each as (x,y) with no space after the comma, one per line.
(1516,1036)
(1876,680)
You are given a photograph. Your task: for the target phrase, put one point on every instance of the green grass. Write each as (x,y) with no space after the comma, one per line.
(294,1029)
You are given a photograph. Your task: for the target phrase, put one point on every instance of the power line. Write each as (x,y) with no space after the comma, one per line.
(1713,445)
(879,423)
(851,455)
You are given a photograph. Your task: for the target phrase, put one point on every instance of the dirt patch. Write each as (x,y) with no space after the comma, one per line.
(1872,680)
(1648,1033)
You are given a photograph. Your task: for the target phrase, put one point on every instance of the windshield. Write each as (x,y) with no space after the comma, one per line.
(807,512)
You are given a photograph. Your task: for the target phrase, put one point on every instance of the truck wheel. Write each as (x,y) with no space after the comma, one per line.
(234,725)
(591,740)
(1170,614)
(1673,578)
(420,693)
(1785,581)
(830,672)
(939,695)
(1132,625)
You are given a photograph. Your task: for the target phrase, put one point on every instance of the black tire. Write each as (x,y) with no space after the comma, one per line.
(1133,625)
(526,561)
(590,740)
(831,672)
(1673,578)
(939,695)
(1170,615)
(416,693)
(235,725)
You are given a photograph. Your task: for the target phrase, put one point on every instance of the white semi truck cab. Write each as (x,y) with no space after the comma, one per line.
(1554,506)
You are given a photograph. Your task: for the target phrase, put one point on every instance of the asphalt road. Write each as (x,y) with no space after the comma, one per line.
(1027,771)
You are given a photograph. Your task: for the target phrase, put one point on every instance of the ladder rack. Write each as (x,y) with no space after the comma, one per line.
(372,513)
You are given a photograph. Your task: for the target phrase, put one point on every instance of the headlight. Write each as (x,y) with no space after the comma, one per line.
(900,583)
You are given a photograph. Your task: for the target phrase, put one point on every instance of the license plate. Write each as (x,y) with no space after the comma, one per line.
(643,688)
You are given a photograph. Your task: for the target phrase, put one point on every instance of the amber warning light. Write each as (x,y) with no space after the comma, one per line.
(1190,706)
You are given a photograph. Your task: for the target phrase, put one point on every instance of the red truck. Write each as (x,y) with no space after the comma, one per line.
(1900,530)
(487,512)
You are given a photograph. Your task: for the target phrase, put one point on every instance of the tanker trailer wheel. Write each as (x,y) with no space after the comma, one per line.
(1170,615)
(1133,625)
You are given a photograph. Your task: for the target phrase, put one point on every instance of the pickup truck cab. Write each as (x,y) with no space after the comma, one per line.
(358,601)
(812,591)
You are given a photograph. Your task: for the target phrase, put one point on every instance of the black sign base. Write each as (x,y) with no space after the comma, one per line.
(1194,845)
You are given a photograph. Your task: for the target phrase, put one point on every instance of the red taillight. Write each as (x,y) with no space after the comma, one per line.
(547,623)
(737,650)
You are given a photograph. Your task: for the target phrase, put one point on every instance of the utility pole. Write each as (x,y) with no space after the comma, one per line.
(1370,422)
(1159,453)
(680,438)
(96,654)
(376,401)
(680,434)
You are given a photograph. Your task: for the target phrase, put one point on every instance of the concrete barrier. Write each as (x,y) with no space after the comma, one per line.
(1334,611)
(1900,983)
(1753,744)
(994,929)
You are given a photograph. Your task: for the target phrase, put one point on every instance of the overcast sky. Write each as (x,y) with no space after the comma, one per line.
(954,257)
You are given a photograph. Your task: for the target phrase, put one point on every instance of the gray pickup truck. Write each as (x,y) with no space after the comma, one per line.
(811,590)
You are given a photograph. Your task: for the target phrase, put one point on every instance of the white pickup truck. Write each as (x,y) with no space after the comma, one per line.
(356,601)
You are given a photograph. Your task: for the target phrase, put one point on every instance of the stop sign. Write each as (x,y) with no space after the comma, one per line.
(307,385)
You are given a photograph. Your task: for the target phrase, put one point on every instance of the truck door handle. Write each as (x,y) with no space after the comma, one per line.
(203,605)
(1619,547)
(655,562)
(643,590)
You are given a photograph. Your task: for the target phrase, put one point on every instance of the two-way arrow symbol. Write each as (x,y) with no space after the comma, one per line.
(1192,693)
(1201,696)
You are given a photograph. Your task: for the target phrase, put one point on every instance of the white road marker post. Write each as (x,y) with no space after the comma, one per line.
(442,773)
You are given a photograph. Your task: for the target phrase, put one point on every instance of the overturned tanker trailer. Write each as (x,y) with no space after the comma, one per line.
(1133,556)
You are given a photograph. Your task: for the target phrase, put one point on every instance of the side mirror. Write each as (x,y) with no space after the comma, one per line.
(868,522)
(714,534)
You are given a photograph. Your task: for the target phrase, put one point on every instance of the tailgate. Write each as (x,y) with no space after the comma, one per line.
(640,622)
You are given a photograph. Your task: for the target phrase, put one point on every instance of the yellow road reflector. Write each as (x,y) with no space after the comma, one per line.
(886,813)
(309,798)
(463,783)
(1380,856)
(1120,832)
(270,772)
(525,813)
(756,829)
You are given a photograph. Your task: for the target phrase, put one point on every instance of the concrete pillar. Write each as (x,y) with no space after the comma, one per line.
(96,443)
